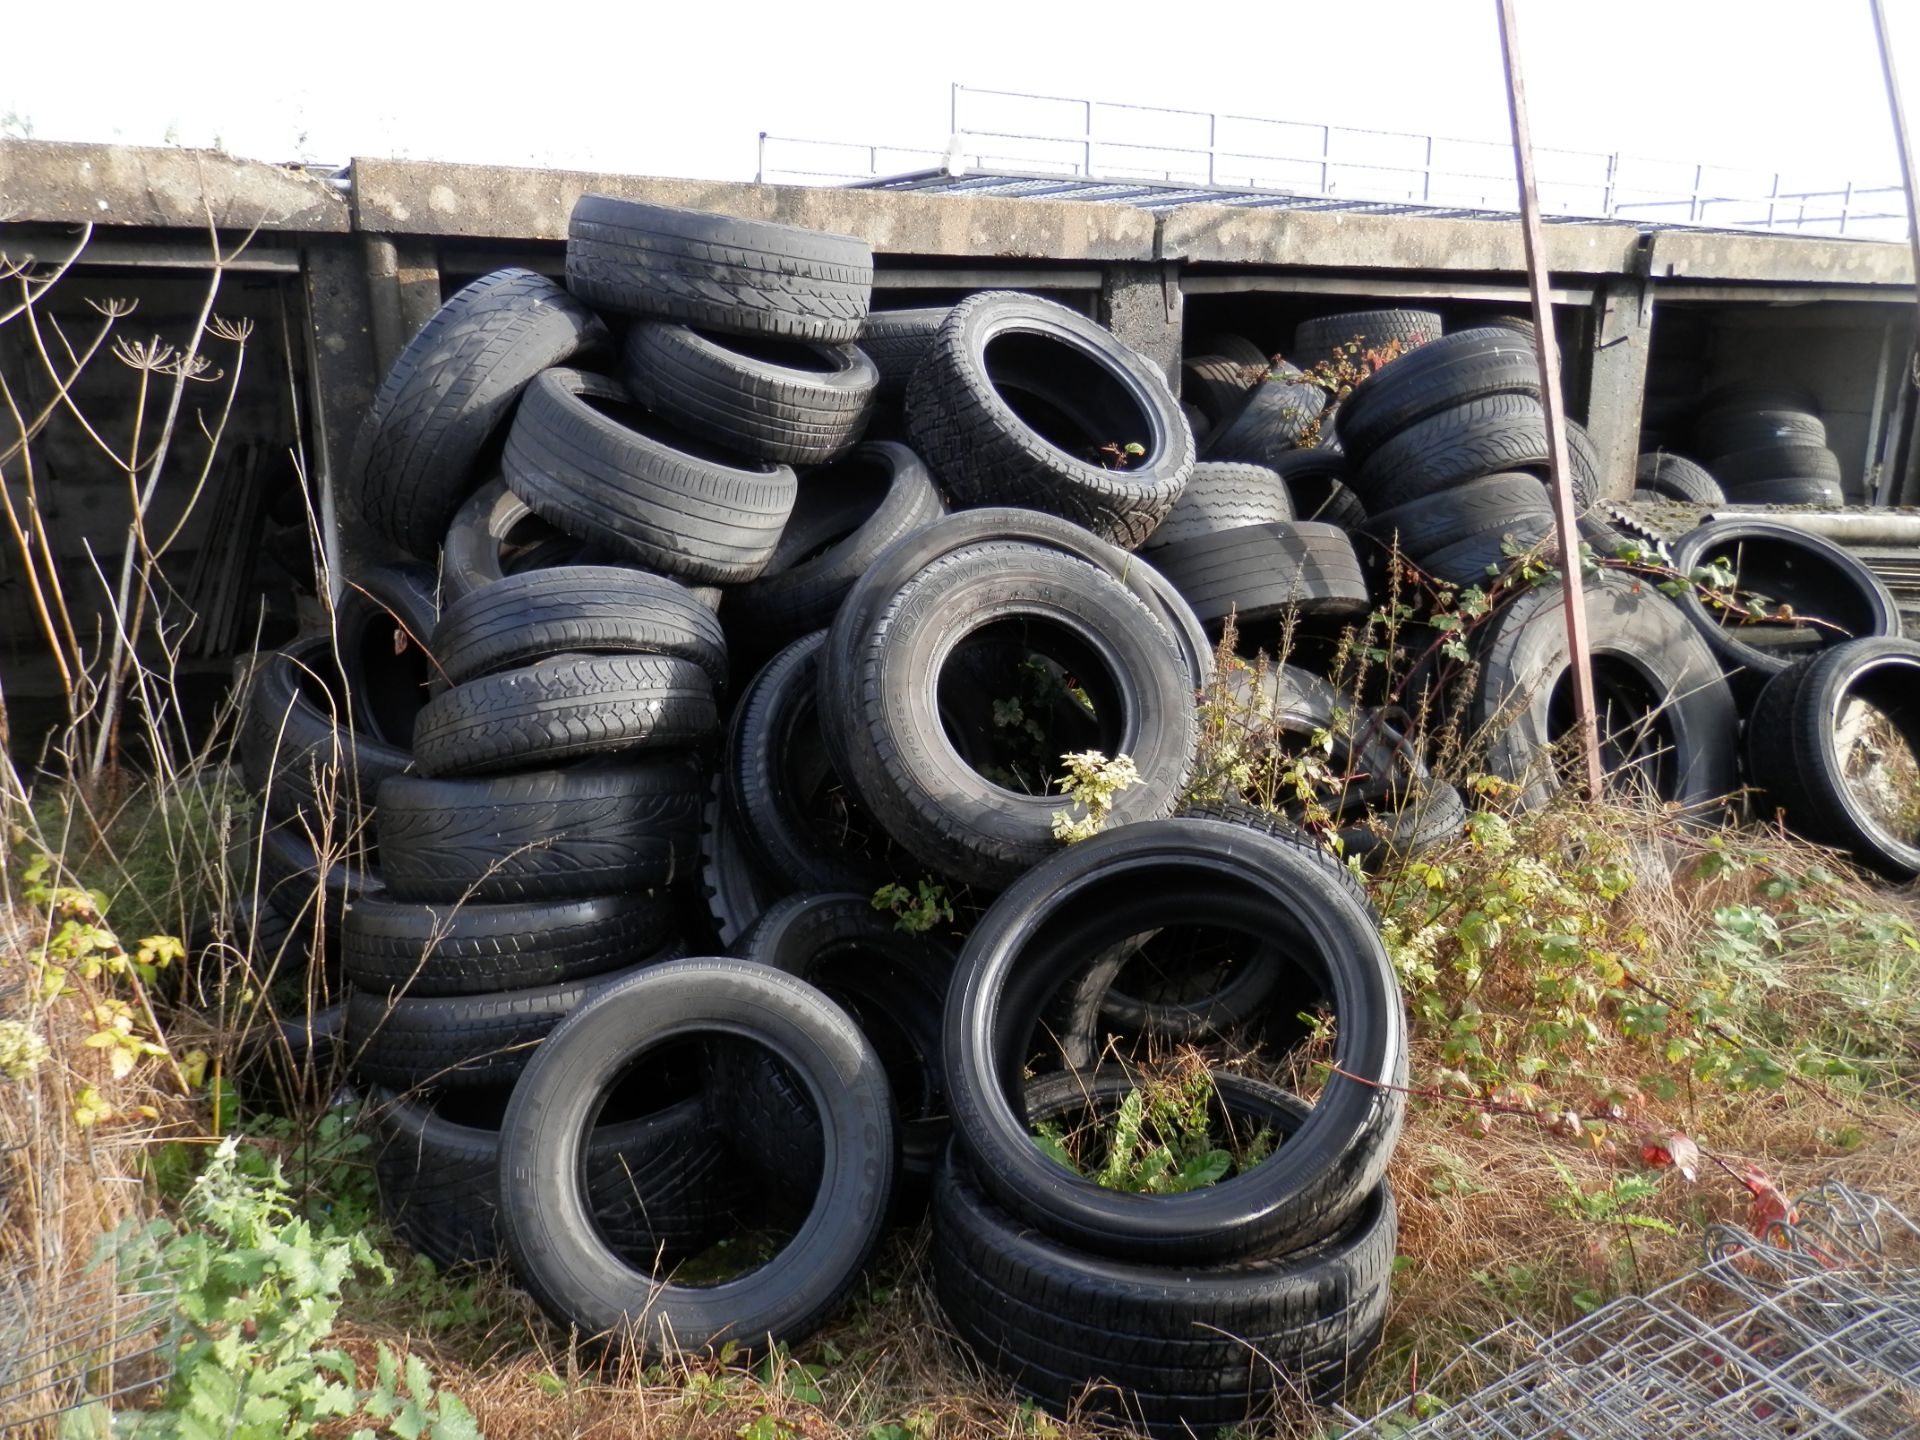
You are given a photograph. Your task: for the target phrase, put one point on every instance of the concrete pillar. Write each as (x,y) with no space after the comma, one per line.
(1622,322)
(403,291)
(340,386)
(1140,303)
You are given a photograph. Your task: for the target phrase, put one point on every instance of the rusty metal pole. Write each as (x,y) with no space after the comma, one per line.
(1560,484)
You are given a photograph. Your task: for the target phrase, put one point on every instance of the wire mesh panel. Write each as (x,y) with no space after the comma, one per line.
(1811,1331)
(60,1353)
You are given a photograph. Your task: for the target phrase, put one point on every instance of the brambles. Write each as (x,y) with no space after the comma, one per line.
(1092,782)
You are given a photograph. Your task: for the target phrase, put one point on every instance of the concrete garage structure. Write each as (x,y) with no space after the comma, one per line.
(343,267)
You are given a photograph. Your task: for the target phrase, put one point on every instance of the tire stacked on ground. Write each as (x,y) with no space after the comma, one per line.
(1061,1284)
(1660,475)
(1767,445)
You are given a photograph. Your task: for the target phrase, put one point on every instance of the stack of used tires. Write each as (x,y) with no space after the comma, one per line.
(709,668)
(1765,445)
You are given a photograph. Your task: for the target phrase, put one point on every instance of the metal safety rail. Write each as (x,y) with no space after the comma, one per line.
(1113,140)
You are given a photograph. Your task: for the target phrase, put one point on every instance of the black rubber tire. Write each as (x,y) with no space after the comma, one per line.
(1496,434)
(776,767)
(1170,1349)
(291,881)
(1492,503)
(1260,571)
(1743,468)
(1217,385)
(1316,478)
(1741,395)
(1434,817)
(1478,559)
(782,400)
(1235,348)
(1466,365)
(496,534)
(1319,339)
(975,417)
(1825,493)
(1648,658)
(1793,750)
(906,557)
(910,777)
(1677,478)
(735,889)
(894,986)
(298,748)
(1222,496)
(565,708)
(1270,419)
(577,609)
(658,1181)
(581,454)
(403,947)
(385,623)
(1286,832)
(1786,565)
(458,1042)
(1721,432)
(601,829)
(451,389)
(1038,935)
(846,514)
(551,1238)
(292,1064)
(896,341)
(740,277)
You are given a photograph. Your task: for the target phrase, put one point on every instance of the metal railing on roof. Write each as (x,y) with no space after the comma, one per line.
(1109,140)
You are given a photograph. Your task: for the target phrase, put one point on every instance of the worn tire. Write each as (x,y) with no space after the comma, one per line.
(783,400)
(1675,477)
(584,457)
(1787,565)
(1038,935)
(1466,365)
(1269,420)
(1217,385)
(1173,1349)
(458,1042)
(449,392)
(1788,492)
(1742,468)
(1721,432)
(845,515)
(1316,479)
(555,1247)
(1222,496)
(384,627)
(1794,755)
(495,534)
(1496,434)
(896,341)
(740,277)
(1648,660)
(599,829)
(1016,396)
(291,879)
(735,888)
(1258,572)
(298,747)
(911,778)
(1492,503)
(658,1181)
(400,947)
(777,765)
(565,708)
(577,609)
(1318,339)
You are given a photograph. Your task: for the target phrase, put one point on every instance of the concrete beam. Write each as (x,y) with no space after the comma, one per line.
(1717,255)
(1348,240)
(61,183)
(1621,325)
(1141,305)
(399,197)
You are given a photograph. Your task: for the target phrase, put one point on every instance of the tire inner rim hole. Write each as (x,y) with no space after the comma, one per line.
(395,676)
(629,416)
(1069,399)
(728,1187)
(867,984)
(1636,731)
(791,354)
(1815,588)
(1876,743)
(833,502)
(1017,694)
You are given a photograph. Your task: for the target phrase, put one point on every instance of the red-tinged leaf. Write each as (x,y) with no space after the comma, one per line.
(1770,1204)
(1478,1122)
(1661,1148)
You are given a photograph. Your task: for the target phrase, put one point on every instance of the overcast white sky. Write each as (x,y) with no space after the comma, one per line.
(683,89)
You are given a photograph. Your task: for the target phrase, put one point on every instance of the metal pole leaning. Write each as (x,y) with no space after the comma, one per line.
(1560,487)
